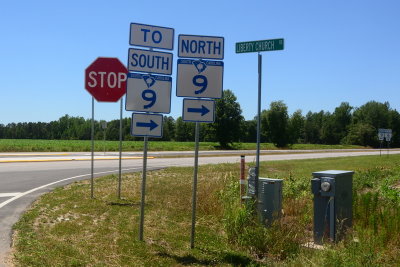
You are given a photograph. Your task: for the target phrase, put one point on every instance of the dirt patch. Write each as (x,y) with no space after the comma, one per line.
(397,185)
(9,256)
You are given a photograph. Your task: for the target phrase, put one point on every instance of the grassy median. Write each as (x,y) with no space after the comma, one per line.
(67,228)
(30,145)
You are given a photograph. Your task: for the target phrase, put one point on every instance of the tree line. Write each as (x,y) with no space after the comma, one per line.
(345,125)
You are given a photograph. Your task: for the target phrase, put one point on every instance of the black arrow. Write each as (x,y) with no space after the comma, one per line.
(203,110)
(150,124)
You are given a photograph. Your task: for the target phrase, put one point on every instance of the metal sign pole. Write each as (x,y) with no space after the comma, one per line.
(194,191)
(92,137)
(143,189)
(258,127)
(388,147)
(104,138)
(120,150)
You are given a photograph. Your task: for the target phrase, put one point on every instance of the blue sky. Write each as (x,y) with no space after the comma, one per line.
(335,51)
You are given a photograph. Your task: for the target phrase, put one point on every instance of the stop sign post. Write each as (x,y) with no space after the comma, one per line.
(105,80)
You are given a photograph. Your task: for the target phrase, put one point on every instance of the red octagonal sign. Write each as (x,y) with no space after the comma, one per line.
(105,79)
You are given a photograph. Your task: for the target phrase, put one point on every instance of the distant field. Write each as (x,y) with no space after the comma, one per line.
(27,145)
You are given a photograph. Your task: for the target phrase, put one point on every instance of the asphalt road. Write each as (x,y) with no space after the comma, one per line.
(25,176)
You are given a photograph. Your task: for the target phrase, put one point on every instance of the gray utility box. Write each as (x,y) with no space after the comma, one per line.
(269,206)
(333,211)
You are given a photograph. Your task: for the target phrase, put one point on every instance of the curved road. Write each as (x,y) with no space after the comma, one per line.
(25,176)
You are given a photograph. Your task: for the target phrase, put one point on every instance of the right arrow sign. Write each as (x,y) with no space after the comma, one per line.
(146,125)
(198,110)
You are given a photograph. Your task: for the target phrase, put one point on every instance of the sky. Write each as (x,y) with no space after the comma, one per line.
(335,51)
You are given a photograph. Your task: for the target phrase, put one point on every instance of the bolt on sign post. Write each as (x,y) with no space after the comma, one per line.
(251,47)
(105,80)
(199,79)
(148,94)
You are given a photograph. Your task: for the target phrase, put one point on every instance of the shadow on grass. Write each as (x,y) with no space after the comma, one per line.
(126,204)
(230,258)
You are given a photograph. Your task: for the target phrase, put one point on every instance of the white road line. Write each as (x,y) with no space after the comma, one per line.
(9,194)
(59,181)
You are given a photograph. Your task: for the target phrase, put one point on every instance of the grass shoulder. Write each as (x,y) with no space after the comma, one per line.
(67,228)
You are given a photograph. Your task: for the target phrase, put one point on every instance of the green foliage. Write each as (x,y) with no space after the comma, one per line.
(184,131)
(296,128)
(228,119)
(312,127)
(276,124)
(362,134)
(243,229)
(343,126)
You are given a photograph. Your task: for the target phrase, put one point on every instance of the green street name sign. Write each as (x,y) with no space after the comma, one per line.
(259,46)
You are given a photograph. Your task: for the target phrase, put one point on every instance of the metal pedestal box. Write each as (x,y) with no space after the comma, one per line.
(269,206)
(333,213)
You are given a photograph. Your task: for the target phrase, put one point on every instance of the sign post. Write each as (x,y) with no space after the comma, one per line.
(250,47)
(198,78)
(105,80)
(385,134)
(148,93)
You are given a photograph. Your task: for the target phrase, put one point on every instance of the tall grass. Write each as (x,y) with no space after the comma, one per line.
(373,241)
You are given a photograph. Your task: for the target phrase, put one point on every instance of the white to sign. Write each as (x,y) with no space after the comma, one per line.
(196,46)
(151,36)
(140,60)
(198,110)
(199,78)
(148,93)
(381,136)
(147,125)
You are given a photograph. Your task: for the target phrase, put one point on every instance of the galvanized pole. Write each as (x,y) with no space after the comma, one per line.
(258,127)
(92,137)
(104,138)
(142,201)
(242,178)
(120,151)
(388,147)
(194,190)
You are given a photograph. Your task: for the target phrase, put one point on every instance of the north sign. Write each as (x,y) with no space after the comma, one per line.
(151,36)
(150,125)
(260,46)
(197,46)
(105,79)
(199,78)
(198,110)
(148,93)
(147,61)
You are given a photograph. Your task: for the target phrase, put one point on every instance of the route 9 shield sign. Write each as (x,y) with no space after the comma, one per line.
(199,78)
(148,93)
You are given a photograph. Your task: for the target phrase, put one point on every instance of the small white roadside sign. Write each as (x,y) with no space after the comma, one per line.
(149,125)
(198,110)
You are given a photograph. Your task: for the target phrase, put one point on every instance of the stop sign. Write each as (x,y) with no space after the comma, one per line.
(105,79)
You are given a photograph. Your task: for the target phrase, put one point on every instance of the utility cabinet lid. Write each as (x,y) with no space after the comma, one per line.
(332,173)
(262,179)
